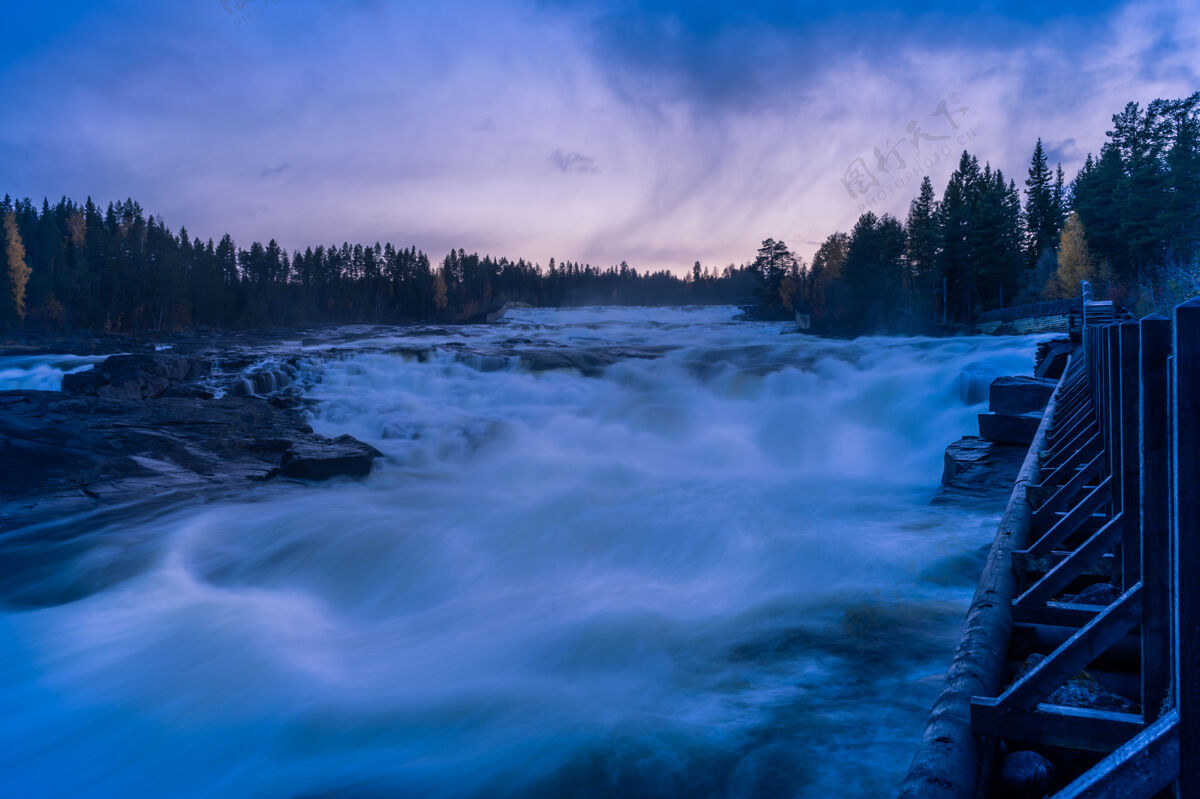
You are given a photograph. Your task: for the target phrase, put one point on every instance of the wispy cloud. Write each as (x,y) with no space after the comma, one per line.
(701,129)
(274,171)
(573,161)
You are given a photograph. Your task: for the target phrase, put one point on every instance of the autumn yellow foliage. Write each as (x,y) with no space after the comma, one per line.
(1075,261)
(789,290)
(18,270)
(439,291)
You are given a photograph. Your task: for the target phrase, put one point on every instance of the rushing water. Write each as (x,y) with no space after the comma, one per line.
(706,565)
(39,372)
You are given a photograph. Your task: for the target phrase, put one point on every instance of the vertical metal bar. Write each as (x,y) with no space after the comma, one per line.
(1127,422)
(1154,345)
(1186,539)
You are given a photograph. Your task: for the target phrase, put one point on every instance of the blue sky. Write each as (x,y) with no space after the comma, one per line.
(657,132)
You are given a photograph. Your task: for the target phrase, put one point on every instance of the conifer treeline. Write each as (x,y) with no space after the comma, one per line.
(121,270)
(1129,222)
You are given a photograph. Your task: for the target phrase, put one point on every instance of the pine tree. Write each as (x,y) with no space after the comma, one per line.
(873,273)
(1183,165)
(1041,211)
(954,219)
(773,263)
(824,277)
(1059,202)
(923,243)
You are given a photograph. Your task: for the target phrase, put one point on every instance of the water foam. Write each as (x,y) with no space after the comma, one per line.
(703,573)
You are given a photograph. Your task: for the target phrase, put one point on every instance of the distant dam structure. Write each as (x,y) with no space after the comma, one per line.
(1055,316)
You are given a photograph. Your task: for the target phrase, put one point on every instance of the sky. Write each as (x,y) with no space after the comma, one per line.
(659,133)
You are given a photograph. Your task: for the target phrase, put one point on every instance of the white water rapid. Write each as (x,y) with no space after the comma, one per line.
(702,563)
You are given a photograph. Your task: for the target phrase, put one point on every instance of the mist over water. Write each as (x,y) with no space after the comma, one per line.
(702,562)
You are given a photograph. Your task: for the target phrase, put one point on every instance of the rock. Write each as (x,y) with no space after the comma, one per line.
(1095,594)
(287,402)
(133,377)
(62,454)
(344,456)
(975,468)
(1018,395)
(499,313)
(1084,691)
(588,361)
(1006,428)
(83,383)
(1026,775)
(188,392)
(1052,357)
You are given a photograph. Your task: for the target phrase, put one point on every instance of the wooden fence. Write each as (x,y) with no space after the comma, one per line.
(1110,492)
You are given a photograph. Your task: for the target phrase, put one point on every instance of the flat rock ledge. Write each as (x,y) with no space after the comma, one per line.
(978,470)
(63,454)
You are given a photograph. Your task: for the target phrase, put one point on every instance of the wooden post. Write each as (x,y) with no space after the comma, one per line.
(1154,344)
(1186,540)
(1102,390)
(1089,342)
(1127,380)
(1112,410)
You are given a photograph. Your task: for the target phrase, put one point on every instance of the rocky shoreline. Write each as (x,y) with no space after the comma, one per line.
(138,426)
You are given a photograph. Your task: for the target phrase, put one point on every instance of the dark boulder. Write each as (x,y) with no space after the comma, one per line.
(1006,428)
(1052,357)
(344,456)
(1095,594)
(1018,395)
(145,375)
(1083,690)
(1026,775)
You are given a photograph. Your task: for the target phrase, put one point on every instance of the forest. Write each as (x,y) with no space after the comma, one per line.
(1129,221)
(119,270)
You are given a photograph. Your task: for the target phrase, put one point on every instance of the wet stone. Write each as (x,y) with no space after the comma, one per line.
(1026,775)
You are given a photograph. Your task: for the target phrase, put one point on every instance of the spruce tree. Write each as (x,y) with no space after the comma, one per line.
(922,245)
(1041,212)
(954,219)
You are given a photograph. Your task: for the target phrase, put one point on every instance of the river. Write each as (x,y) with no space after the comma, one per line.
(705,565)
